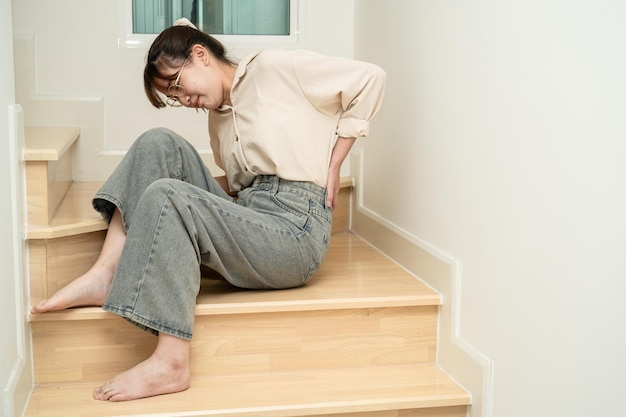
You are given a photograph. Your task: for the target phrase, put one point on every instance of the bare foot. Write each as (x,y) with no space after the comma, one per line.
(165,372)
(89,289)
(92,288)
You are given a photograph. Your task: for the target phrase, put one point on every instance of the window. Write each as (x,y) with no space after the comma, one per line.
(226,17)
(247,23)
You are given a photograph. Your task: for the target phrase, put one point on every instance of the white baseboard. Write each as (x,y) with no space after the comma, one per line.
(443,272)
(16,393)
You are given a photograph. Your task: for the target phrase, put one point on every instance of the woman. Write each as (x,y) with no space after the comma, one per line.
(281,123)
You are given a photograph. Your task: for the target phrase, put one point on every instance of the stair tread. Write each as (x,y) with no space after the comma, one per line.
(354,275)
(270,394)
(48,143)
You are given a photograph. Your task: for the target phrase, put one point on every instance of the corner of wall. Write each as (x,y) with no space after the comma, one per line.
(471,368)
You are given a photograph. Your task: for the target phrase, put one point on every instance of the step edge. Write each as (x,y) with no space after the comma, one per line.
(65,230)
(321,409)
(63,136)
(96,313)
(313,305)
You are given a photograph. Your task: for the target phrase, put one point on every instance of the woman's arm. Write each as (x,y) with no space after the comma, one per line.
(352,89)
(335,85)
(340,151)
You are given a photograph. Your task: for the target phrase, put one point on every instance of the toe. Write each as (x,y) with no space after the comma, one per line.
(100,393)
(38,308)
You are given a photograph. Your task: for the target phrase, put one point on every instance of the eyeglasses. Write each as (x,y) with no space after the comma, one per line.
(175,91)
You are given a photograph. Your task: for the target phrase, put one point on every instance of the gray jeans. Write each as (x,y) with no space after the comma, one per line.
(274,236)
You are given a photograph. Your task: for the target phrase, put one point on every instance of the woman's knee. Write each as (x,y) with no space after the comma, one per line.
(160,189)
(158,138)
(156,196)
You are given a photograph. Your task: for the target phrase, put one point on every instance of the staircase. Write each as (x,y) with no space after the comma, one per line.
(359,340)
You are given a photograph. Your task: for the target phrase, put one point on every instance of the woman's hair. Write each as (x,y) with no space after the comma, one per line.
(170,49)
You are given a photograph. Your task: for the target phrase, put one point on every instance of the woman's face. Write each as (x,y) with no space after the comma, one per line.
(198,83)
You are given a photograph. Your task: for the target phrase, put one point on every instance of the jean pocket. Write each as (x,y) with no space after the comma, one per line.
(320,211)
(293,208)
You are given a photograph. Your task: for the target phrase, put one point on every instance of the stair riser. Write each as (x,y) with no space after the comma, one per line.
(54,263)
(341,212)
(96,350)
(47,183)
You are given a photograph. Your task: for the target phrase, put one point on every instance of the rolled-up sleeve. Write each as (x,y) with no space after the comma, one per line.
(353,88)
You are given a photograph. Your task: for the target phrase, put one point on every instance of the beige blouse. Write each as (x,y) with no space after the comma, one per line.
(288,107)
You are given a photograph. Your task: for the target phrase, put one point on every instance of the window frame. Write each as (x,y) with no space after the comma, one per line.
(127,39)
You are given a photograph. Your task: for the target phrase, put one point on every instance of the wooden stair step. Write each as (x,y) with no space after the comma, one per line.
(48,143)
(354,275)
(418,390)
(48,159)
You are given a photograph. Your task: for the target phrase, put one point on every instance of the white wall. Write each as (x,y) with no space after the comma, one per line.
(72,72)
(502,141)
(15,370)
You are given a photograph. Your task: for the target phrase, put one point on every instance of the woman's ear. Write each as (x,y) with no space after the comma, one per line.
(200,53)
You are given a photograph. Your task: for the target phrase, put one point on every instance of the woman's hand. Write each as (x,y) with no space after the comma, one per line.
(223,182)
(332,187)
(340,151)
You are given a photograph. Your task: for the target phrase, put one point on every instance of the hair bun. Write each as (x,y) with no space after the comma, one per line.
(185,22)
